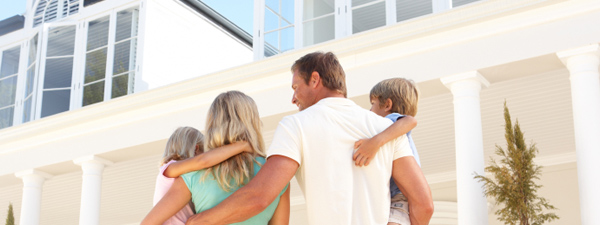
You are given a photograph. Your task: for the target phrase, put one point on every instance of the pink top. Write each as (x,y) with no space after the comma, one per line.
(163,184)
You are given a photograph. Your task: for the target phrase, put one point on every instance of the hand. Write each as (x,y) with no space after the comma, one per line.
(365,151)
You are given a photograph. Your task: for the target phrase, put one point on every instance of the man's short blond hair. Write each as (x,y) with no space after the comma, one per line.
(403,93)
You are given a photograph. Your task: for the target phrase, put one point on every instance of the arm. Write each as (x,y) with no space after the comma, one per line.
(173,201)
(256,195)
(282,213)
(367,148)
(412,183)
(206,159)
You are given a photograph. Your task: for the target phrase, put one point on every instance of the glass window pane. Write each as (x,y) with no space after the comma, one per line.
(318,31)
(93,93)
(368,17)
(271,21)
(361,2)
(10,62)
(54,102)
(408,9)
(8,89)
(272,41)
(124,56)
(6,117)
(457,3)
(273,4)
(27,110)
(58,73)
(61,41)
(287,10)
(95,65)
(29,82)
(121,85)
(316,8)
(287,39)
(126,24)
(90,2)
(33,44)
(98,33)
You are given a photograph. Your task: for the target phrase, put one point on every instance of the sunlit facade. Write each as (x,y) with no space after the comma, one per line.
(91,91)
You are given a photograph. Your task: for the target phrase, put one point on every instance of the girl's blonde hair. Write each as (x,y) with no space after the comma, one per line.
(233,116)
(403,93)
(182,144)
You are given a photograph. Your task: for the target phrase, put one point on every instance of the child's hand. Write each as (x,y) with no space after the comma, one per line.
(365,151)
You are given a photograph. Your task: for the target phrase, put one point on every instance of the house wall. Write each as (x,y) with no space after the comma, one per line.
(178,45)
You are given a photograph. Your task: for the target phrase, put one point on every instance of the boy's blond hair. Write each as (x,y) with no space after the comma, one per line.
(232,117)
(182,144)
(403,93)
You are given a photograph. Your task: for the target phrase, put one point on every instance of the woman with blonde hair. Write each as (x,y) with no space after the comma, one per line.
(233,117)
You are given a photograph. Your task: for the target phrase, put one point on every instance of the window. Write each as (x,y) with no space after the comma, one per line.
(457,3)
(9,70)
(408,9)
(51,10)
(279,26)
(27,114)
(367,14)
(58,70)
(95,61)
(123,70)
(110,57)
(317,21)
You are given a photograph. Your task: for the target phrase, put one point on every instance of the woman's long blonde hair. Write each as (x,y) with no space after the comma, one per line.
(182,144)
(233,116)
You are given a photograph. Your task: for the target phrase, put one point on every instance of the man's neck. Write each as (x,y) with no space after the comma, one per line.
(326,93)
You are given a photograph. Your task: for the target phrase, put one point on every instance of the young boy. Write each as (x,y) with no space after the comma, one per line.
(392,98)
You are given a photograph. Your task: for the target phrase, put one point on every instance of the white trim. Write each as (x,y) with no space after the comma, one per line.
(23,173)
(593,49)
(390,12)
(81,160)
(546,161)
(298,7)
(438,6)
(110,54)
(448,80)
(21,83)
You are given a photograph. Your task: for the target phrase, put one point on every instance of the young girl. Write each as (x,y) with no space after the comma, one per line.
(179,158)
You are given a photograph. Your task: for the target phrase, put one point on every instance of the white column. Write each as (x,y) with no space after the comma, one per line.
(585,92)
(32,195)
(92,166)
(472,204)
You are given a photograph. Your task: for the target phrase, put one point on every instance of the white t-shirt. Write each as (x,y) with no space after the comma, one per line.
(321,139)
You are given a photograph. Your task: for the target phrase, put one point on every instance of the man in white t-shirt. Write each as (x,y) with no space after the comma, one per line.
(316,145)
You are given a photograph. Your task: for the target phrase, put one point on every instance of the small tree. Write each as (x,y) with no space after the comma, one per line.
(10,217)
(513,180)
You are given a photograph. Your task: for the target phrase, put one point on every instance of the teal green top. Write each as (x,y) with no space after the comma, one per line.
(207,194)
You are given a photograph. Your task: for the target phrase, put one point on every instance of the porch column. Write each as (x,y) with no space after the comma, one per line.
(92,166)
(585,93)
(32,195)
(471,202)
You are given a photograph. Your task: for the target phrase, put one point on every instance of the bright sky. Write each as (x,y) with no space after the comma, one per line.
(9,8)
(239,12)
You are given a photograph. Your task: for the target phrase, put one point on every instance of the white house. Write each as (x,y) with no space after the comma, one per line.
(93,158)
